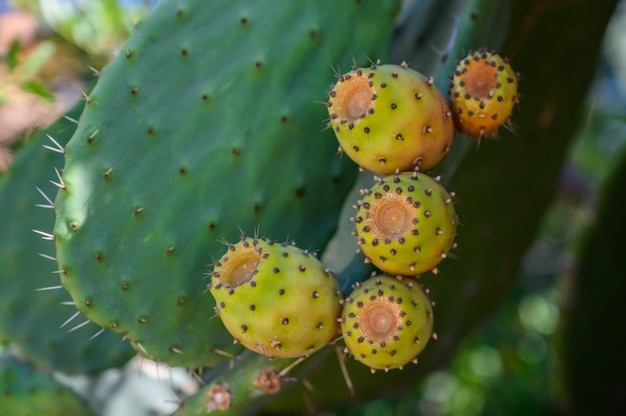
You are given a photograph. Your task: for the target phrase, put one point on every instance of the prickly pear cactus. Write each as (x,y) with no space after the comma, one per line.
(390,117)
(406,223)
(276,299)
(483,92)
(25,390)
(386,322)
(206,123)
(33,306)
(252,379)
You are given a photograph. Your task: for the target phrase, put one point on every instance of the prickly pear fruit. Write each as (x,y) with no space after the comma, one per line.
(389,117)
(406,223)
(276,299)
(483,92)
(386,322)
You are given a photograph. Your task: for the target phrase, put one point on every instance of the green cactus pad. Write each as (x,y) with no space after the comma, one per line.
(30,318)
(386,322)
(207,122)
(483,92)
(250,381)
(390,117)
(25,390)
(276,299)
(406,223)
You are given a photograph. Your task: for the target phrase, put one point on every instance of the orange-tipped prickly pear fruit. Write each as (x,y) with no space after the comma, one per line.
(406,223)
(483,92)
(386,322)
(390,117)
(276,299)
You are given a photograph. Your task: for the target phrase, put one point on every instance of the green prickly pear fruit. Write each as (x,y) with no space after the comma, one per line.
(390,117)
(406,223)
(276,299)
(483,92)
(386,322)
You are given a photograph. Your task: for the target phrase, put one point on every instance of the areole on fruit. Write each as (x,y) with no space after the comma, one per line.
(386,322)
(406,223)
(390,117)
(275,299)
(483,93)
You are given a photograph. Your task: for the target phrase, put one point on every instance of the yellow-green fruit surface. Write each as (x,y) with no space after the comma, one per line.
(406,223)
(276,299)
(390,117)
(387,322)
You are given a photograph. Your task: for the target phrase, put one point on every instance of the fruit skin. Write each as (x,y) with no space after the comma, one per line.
(406,223)
(390,117)
(386,322)
(172,154)
(276,299)
(483,93)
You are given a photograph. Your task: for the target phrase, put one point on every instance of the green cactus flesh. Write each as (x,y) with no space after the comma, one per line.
(25,390)
(250,381)
(29,316)
(207,122)
(276,299)
(390,117)
(406,223)
(386,322)
(483,92)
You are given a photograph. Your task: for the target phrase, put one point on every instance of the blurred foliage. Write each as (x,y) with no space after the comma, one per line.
(99,27)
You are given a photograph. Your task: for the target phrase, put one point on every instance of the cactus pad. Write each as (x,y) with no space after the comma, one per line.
(406,223)
(386,322)
(390,117)
(276,299)
(29,316)
(25,390)
(483,92)
(203,124)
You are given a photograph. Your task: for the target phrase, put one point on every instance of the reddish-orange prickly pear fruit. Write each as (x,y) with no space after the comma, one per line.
(386,322)
(390,117)
(406,223)
(483,92)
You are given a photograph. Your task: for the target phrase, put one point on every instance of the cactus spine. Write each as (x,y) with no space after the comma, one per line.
(483,92)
